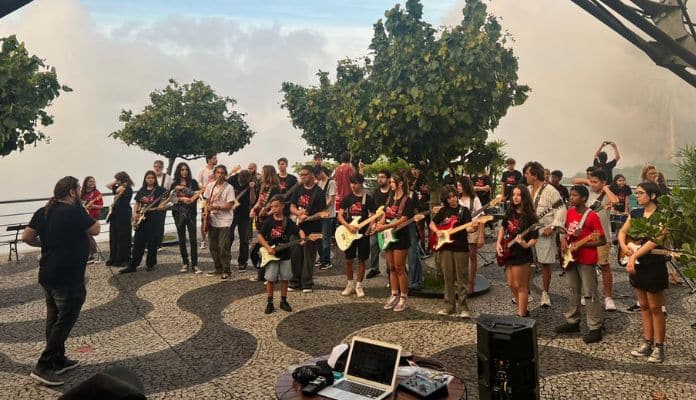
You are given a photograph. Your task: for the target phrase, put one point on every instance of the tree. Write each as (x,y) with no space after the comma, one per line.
(423,96)
(186,121)
(27,87)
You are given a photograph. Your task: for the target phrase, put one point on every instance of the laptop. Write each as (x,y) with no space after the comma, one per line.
(370,372)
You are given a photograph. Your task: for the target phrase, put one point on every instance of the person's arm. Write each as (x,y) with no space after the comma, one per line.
(331,187)
(111,185)
(596,153)
(611,197)
(264,243)
(580,181)
(30,236)
(340,218)
(617,156)
(94,229)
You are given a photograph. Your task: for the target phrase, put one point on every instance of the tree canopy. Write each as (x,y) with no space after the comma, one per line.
(186,121)
(27,87)
(423,95)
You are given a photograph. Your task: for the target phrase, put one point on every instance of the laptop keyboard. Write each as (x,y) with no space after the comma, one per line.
(359,389)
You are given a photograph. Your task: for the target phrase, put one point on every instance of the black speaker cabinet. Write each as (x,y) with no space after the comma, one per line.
(508,359)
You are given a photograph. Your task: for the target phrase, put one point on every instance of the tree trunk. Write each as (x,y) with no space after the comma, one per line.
(170,167)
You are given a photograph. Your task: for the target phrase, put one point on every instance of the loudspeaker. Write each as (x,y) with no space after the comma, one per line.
(508,358)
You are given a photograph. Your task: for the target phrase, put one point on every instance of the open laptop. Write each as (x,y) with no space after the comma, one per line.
(370,371)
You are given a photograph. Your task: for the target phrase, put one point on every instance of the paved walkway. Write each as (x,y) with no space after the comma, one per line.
(207,339)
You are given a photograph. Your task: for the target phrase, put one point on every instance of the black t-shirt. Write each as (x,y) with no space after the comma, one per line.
(445,216)
(122,206)
(379,197)
(481,181)
(622,193)
(286,183)
(264,200)
(608,168)
(313,201)
(64,244)
(391,211)
(518,254)
(189,191)
(353,207)
(272,231)
(244,200)
(511,179)
(563,191)
(147,197)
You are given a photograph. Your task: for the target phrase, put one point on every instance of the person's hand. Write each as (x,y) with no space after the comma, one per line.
(471,229)
(440,233)
(379,227)
(631,266)
(352,228)
(480,243)
(628,251)
(271,250)
(301,218)
(519,240)
(499,248)
(252,214)
(547,231)
(252,184)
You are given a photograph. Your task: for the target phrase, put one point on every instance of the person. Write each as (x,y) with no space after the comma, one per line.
(421,193)
(476,238)
(380,195)
(415,268)
(600,159)
(220,199)
(286,180)
(60,229)
(275,230)
(308,201)
(165,181)
(581,222)
(622,192)
(318,160)
(357,204)
(119,220)
(93,201)
(328,185)
(543,198)
(186,193)
(454,261)
(647,274)
(398,209)
(204,177)
(547,176)
(510,178)
(555,180)
(146,223)
(520,216)
(269,187)
(245,187)
(600,201)
(482,186)
(342,177)
(662,184)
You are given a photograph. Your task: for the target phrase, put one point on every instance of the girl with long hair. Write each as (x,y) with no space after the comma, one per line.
(476,240)
(186,192)
(119,220)
(93,202)
(270,186)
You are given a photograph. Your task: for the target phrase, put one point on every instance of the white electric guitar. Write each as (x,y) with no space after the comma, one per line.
(267,257)
(344,237)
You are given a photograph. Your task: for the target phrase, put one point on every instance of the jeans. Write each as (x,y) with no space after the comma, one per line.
(374,254)
(62,310)
(582,281)
(243,225)
(415,269)
(303,265)
(327,230)
(219,243)
(186,222)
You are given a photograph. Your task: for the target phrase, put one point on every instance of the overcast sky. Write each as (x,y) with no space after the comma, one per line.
(587,83)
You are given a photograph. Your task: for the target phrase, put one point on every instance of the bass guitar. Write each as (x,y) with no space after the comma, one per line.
(508,241)
(435,242)
(388,236)
(137,222)
(568,253)
(267,257)
(344,237)
(451,229)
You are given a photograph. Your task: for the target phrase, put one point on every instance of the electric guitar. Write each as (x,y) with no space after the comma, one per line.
(344,237)
(568,253)
(452,229)
(388,236)
(635,246)
(150,207)
(435,242)
(267,257)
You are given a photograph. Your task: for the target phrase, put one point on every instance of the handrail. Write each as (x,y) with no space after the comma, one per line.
(38,199)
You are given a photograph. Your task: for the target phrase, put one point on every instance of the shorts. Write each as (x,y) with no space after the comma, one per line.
(361,247)
(278,271)
(603,254)
(546,249)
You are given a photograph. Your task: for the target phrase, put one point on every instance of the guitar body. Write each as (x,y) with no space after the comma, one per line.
(437,241)
(386,237)
(344,237)
(567,258)
(502,259)
(266,257)
(568,253)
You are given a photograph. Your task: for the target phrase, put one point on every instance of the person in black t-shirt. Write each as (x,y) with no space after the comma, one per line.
(287,181)
(60,229)
(184,212)
(244,187)
(309,206)
(119,220)
(380,195)
(556,177)
(482,186)
(356,204)
(454,257)
(511,178)
(600,159)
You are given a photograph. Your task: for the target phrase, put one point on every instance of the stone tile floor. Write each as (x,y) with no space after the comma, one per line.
(195,337)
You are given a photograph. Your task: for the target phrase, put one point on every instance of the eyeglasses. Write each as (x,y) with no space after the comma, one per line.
(303,174)
(639,193)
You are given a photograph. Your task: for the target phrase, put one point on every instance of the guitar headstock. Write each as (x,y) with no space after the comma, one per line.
(437,209)
(418,217)
(314,236)
(484,219)
(380,210)
(497,200)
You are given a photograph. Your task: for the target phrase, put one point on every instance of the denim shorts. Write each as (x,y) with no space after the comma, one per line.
(278,271)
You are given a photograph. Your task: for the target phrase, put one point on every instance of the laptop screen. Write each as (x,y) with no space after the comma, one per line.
(372,362)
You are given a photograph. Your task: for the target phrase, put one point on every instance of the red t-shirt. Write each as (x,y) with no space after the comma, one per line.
(95,208)
(342,178)
(584,255)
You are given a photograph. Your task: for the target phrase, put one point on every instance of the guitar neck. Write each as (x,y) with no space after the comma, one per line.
(460,227)
(287,245)
(408,221)
(369,220)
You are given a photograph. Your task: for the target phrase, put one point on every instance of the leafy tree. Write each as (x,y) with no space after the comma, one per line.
(27,87)
(186,121)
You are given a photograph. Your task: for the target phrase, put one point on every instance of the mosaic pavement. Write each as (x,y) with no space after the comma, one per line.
(195,337)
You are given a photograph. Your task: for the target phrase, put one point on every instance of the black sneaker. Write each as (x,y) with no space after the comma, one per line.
(150,268)
(568,328)
(126,270)
(324,267)
(285,306)
(593,336)
(65,366)
(372,274)
(269,308)
(633,308)
(242,267)
(46,377)
(109,263)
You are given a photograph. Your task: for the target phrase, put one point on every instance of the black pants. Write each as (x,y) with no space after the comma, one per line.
(147,236)
(186,221)
(62,310)
(120,239)
(160,217)
(243,225)
(302,260)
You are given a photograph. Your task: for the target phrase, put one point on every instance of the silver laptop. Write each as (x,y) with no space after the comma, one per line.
(370,371)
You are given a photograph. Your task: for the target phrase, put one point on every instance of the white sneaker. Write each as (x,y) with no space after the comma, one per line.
(350,289)
(359,292)
(609,304)
(306,290)
(582,301)
(545,299)
(203,245)
(184,268)
(465,314)
(196,270)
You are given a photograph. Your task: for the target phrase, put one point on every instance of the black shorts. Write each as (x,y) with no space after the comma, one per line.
(361,247)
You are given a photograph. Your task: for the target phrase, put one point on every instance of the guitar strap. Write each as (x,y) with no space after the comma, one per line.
(597,204)
(538,197)
(402,205)
(582,222)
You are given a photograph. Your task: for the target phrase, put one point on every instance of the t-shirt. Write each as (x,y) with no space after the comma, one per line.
(244,194)
(563,191)
(121,207)
(342,177)
(446,216)
(205,176)
(391,211)
(313,201)
(606,167)
(353,207)
(380,197)
(584,255)
(287,182)
(95,197)
(64,244)
(263,200)
(603,213)
(481,181)
(272,231)
(148,197)
(190,191)
(329,188)
(514,226)
(623,193)
(511,179)
(220,195)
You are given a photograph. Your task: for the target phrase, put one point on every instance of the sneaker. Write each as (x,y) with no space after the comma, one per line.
(203,245)
(545,299)
(269,308)
(561,273)
(658,354)
(514,301)
(391,302)
(593,336)
(445,311)
(196,270)
(65,366)
(583,301)
(126,270)
(306,290)
(359,292)
(350,289)
(401,305)
(242,267)
(633,308)
(644,350)
(465,314)
(184,268)
(91,259)
(292,289)
(46,376)
(609,304)
(371,274)
(150,268)
(568,328)
(224,277)
(285,306)
(213,273)
(98,259)
(326,266)
(318,264)
(254,279)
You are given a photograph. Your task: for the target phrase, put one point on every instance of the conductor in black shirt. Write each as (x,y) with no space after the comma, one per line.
(60,228)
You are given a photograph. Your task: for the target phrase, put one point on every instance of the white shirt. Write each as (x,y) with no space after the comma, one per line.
(205,176)
(220,196)
(329,190)
(604,217)
(165,181)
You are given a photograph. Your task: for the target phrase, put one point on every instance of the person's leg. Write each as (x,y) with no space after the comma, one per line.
(153,238)
(139,243)
(309,255)
(511,283)
(193,240)
(645,315)
(125,239)
(520,278)
(588,282)
(415,269)
(180,223)
(243,228)
(655,302)
(572,274)
(448,277)
(113,244)
(461,282)
(473,266)
(326,228)
(225,245)
(400,265)
(374,257)
(296,262)
(214,246)
(393,281)
(68,304)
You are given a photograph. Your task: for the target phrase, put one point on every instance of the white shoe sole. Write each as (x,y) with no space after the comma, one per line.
(66,369)
(45,381)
